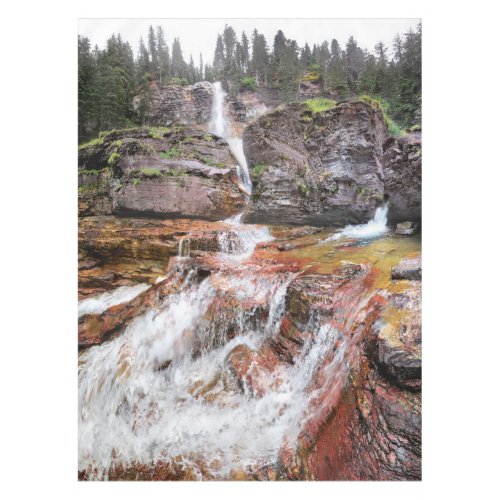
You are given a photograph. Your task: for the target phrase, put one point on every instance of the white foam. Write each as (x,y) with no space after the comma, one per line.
(372,229)
(99,303)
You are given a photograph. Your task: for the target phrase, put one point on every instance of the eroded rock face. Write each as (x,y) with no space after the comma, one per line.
(316,168)
(176,172)
(402,160)
(176,104)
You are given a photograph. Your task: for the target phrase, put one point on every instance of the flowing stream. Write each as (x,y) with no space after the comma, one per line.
(164,392)
(220,125)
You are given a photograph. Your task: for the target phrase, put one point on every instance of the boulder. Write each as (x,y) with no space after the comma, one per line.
(406,228)
(408,269)
(163,172)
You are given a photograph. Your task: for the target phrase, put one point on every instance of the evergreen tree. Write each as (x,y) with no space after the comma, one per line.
(143,64)
(163,55)
(86,88)
(245,54)
(219,59)
(153,53)
(355,60)
(260,58)
(178,63)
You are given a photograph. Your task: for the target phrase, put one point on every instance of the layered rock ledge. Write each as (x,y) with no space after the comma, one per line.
(167,172)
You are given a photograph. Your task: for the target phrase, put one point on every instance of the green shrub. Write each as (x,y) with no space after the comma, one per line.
(320,104)
(180,81)
(248,83)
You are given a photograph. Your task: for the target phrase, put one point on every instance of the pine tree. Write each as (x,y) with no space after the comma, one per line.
(178,63)
(153,53)
(163,55)
(219,58)
(245,54)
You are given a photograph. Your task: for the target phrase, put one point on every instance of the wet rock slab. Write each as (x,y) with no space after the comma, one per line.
(408,269)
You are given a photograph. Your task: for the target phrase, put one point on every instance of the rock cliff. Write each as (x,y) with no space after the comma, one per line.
(329,167)
(178,172)
(176,104)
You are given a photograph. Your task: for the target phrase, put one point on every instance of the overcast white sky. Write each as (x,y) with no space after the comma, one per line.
(199,35)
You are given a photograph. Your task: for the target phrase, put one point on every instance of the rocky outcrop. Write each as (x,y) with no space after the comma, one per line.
(178,172)
(332,167)
(122,251)
(402,160)
(176,104)
(316,168)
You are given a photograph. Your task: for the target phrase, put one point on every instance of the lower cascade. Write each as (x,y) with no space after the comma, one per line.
(224,369)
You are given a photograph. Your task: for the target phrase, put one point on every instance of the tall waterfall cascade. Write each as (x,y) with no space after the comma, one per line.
(220,125)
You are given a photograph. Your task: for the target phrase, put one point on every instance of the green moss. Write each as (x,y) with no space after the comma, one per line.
(113,158)
(208,138)
(98,141)
(382,105)
(150,172)
(91,188)
(320,104)
(258,170)
(303,190)
(89,172)
(136,181)
(158,132)
(172,153)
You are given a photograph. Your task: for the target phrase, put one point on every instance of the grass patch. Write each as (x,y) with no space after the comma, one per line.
(259,169)
(158,132)
(171,153)
(382,105)
(98,141)
(89,172)
(150,173)
(320,104)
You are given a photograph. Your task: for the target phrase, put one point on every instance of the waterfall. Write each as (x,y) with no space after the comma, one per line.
(372,229)
(240,241)
(220,126)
